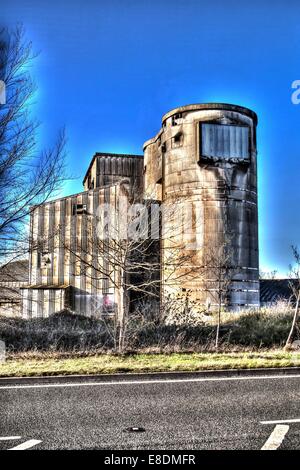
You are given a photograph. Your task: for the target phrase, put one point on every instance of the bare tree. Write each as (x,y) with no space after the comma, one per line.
(219,269)
(127,254)
(268,274)
(27,176)
(294,283)
(120,254)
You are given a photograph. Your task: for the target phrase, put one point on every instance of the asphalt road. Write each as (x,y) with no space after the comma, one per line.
(176,412)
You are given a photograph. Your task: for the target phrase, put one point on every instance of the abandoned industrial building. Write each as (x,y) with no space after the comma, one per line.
(204,158)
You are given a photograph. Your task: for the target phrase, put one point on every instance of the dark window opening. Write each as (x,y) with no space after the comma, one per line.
(177,140)
(44,260)
(164,147)
(79,209)
(175,118)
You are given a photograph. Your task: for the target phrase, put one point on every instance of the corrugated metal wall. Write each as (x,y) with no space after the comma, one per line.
(224,141)
(68,238)
(109,169)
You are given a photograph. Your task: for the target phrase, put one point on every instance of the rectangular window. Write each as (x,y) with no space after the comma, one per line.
(224,141)
(44,260)
(177,140)
(79,209)
(176,118)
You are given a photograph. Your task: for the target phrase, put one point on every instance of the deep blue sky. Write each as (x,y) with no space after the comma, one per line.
(109,69)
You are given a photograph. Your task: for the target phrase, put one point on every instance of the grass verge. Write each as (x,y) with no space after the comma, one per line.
(42,364)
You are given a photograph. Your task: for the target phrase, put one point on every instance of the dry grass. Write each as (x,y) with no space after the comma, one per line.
(56,364)
(64,332)
(66,344)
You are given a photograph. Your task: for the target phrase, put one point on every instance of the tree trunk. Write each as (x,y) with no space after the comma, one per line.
(121,322)
(218,327)
(123,319)
(219,313)
(293,327)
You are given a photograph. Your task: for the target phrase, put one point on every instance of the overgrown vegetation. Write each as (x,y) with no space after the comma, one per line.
(65,332)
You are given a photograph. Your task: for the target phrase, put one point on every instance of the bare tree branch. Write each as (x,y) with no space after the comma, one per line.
(27,177)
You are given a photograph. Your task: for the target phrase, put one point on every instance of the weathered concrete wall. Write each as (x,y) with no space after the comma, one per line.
(220,197)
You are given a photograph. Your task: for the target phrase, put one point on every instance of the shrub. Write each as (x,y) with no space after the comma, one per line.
(264,328)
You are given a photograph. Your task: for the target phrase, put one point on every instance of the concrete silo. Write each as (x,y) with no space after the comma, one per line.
(202,163)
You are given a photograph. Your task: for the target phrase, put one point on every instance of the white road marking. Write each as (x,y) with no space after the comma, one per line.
(278,421)
(276,437)
(10,438)
(155,381)
(26,445)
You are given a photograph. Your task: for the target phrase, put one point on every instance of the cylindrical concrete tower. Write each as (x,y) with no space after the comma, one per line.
(202,167)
